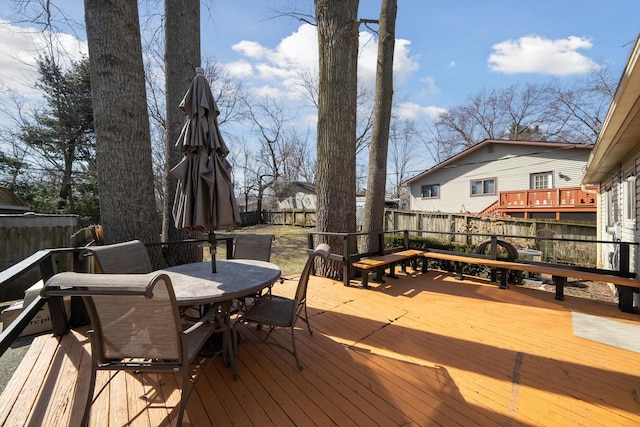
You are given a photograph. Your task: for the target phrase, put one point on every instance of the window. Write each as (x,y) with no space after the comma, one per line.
(483,186)
(431,191)
(541,180)
(629,194)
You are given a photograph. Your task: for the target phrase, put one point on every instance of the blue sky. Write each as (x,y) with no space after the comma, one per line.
(443,50)
(446,50)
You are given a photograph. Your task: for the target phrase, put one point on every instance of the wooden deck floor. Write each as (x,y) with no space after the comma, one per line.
(423,351)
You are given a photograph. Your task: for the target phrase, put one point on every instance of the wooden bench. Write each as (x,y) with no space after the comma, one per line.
(382,262)
(625,285)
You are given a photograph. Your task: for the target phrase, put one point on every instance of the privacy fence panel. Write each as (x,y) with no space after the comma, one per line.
(24,235)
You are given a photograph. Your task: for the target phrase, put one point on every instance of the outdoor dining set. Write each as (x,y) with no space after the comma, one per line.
(165,320)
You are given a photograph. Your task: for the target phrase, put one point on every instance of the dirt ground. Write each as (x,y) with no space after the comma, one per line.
(578,288)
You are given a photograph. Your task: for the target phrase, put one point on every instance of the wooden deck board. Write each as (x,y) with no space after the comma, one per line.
(423,349)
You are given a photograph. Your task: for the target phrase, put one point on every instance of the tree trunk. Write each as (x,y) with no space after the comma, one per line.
(123,141)
(372,221)
(181,57)
(336,167)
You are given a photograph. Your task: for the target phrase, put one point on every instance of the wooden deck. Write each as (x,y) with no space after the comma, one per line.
(423,350)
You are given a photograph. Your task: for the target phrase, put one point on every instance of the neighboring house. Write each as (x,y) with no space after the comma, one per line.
(11,203)
(526,175)
(614,165)
(243,207)
(297,195)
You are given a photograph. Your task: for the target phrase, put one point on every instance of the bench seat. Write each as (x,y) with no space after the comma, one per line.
(380,263)
(625,285)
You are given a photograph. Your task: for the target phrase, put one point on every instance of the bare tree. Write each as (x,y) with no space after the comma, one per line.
(581,107)
(337,103)
(268,119)
(308,89)
(402,138)
(121,123)
(373,219)
(550,112)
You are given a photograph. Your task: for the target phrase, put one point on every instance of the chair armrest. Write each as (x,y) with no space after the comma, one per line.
(204,319)
(79,284)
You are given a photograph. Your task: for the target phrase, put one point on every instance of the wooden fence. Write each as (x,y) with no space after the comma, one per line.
(557,241)
(24,235)
(464,223)
(453,223)
(290,217)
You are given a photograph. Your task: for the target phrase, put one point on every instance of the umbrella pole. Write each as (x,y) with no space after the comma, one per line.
(213,244)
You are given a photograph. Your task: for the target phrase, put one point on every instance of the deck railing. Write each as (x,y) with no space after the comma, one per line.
(45,261)
(352,241)
(572,197)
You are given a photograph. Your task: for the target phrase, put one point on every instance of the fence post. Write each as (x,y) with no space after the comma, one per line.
(624,258)
(59,322)
(494,247)
(346,260)
(494,255)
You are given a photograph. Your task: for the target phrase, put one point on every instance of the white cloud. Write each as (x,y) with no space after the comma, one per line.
(268,92)
(297,54)
(20,49)
(404,65)
(412,111)
(241,69)
(451,64)
(430,87)
(251,49)
(534,54)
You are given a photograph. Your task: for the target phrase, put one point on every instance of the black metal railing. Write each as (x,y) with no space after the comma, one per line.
(44,261)
(350,246)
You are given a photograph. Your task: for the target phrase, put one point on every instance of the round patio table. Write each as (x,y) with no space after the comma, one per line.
(194,284)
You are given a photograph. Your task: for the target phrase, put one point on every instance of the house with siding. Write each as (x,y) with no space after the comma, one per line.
(534,179)
(296,195)
(614,164)
(11,203)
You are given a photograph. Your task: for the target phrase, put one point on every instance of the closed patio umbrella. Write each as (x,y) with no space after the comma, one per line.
(204,200)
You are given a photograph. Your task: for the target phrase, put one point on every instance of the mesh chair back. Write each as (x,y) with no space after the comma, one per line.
(136,326)
(122,258)
(322,250)
(253,246)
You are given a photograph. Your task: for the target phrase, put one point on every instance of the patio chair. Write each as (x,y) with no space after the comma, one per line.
(276,311)
(122,258)
(136,325)
(253,246)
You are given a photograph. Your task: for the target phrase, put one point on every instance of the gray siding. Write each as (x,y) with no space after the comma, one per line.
(510,165)
(613,225)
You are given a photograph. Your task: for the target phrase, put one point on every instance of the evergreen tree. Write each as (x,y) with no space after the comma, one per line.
(62,137)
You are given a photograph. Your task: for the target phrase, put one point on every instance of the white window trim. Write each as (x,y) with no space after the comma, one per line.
(629,202)
(532,180)
(430,197)
(483,180)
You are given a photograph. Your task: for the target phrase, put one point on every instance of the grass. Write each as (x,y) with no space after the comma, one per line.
(289,249)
